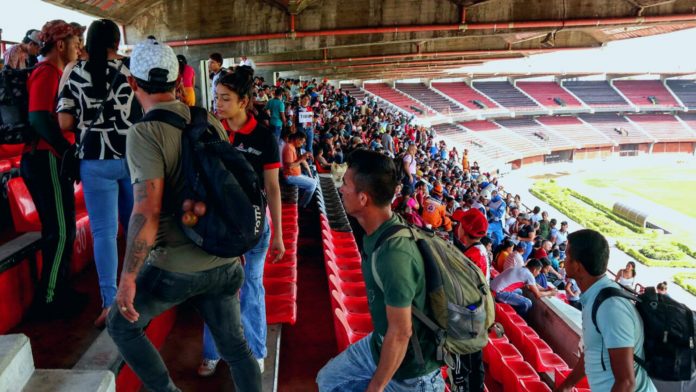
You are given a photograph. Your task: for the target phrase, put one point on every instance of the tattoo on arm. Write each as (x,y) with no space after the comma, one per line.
(137,249)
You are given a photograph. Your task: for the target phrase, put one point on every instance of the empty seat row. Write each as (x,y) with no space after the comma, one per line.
(429,97)
(506,94)
(549,94)
(280,278)
(685,90)
(536,133)
(597,93)
(646,93)
(663,127)
(393,96)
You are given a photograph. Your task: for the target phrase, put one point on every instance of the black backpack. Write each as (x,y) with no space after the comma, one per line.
(14,106)
(217,174)
(669,329)
(399,166)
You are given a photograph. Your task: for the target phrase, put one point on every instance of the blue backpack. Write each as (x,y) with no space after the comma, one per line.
(217,174)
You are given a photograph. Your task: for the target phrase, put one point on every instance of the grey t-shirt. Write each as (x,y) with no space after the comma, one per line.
(153,150)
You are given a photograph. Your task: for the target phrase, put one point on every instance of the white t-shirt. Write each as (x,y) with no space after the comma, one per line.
(411,161)
(511,276)
(513,260)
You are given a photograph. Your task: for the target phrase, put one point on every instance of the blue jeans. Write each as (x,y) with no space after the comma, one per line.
(252,298)
(519,302)
(352,371)
(214,294)
(306,184)
(528,247)
(495,231)
(276,131)
(109,199)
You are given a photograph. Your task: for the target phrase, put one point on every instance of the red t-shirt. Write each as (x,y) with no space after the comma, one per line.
(479,256)
(539,254)
(188,76)
(43,94)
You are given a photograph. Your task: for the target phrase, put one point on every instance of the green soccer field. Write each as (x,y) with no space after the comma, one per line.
(670,186)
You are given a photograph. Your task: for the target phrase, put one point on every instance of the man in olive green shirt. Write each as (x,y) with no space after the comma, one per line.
(385,359)
(162,268)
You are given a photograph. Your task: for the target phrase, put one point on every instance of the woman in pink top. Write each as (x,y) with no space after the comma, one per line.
(187,76)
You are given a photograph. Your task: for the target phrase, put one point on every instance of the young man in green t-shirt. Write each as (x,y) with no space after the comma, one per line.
(384,360)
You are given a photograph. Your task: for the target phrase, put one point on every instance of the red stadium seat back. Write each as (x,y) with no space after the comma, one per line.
(280,288)
(348,304)
(499,353)
(534,386)
(350,289)
(5,165)
(353,335)
(24,214)
(514,371)
(342,330)
(11,151)
(280,272)
(339,235)
(561,374)
(16,161)
(360,323)
(505,308)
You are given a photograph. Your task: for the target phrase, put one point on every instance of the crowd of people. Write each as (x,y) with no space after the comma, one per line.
(289,131)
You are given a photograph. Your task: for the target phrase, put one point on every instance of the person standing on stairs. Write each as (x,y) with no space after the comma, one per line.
(259,146)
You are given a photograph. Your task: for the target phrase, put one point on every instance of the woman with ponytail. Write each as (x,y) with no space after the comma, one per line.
(233,99)
(98,104)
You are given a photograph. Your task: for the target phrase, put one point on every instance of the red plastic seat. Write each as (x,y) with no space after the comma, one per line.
(351,289)
(345,275)
(514,371)
(5,165)
(518,333)
(280,288)
(280,272)
(281,309)
(504,308)
(24,214)
(347,253)
(16,161)
(342,235)
(534,386)
(351,335)
(501,352)
(350,304)
(561,374)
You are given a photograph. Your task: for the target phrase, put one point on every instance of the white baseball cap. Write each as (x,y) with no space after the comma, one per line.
(154,62)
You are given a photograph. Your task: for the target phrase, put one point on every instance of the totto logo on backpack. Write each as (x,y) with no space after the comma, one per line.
(216,174)
(669,329)
(14,106)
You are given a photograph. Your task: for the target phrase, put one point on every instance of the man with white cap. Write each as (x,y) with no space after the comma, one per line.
(24,54)
(169,268)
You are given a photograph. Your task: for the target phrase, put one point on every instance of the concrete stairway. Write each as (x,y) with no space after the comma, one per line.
(17,372)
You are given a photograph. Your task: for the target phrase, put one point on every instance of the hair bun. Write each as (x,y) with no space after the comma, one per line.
(244,72)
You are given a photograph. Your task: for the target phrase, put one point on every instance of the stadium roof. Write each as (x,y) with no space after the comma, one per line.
(368,39)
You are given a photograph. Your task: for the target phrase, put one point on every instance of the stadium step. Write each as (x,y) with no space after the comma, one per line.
(17,372)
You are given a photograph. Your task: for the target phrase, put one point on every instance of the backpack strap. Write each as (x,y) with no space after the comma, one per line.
(165,116)
(603,295)
(199,116)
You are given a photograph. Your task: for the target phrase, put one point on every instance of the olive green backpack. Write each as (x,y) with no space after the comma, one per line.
(459,299)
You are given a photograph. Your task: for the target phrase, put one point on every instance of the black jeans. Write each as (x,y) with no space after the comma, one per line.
(468,373)
(54,199)
(214,294)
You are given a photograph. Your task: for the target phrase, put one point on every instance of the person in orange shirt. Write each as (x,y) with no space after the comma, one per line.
(465,161)
(503,253)
(435,211)
(292,168)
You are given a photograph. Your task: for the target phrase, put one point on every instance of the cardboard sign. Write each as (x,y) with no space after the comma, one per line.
(306,117)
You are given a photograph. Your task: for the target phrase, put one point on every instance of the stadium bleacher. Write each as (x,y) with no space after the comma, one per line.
(550,94)
(396,98)
(507,95)
(616,127)
(647,94)
(685,90)
(354,91)
(537,133)
(464,94)
(485,151)
(429,97)
(598,94)
(505,137)
(576,130)
(663,127)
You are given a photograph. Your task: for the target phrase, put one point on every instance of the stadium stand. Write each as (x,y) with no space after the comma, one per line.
(485,150)
(354,91)
(663,127)
(507,95)
(647,94)
(551,95)
(688,119)
(598,94)
(393,96)
(505,137)
(576,130)
(616,127)
(685,90)
(467,96)
(429,97)
(537,133)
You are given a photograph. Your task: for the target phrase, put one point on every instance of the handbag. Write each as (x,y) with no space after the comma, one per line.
(70,161)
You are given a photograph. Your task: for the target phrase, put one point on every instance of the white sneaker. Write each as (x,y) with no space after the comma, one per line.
(207,367)
(260,361)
